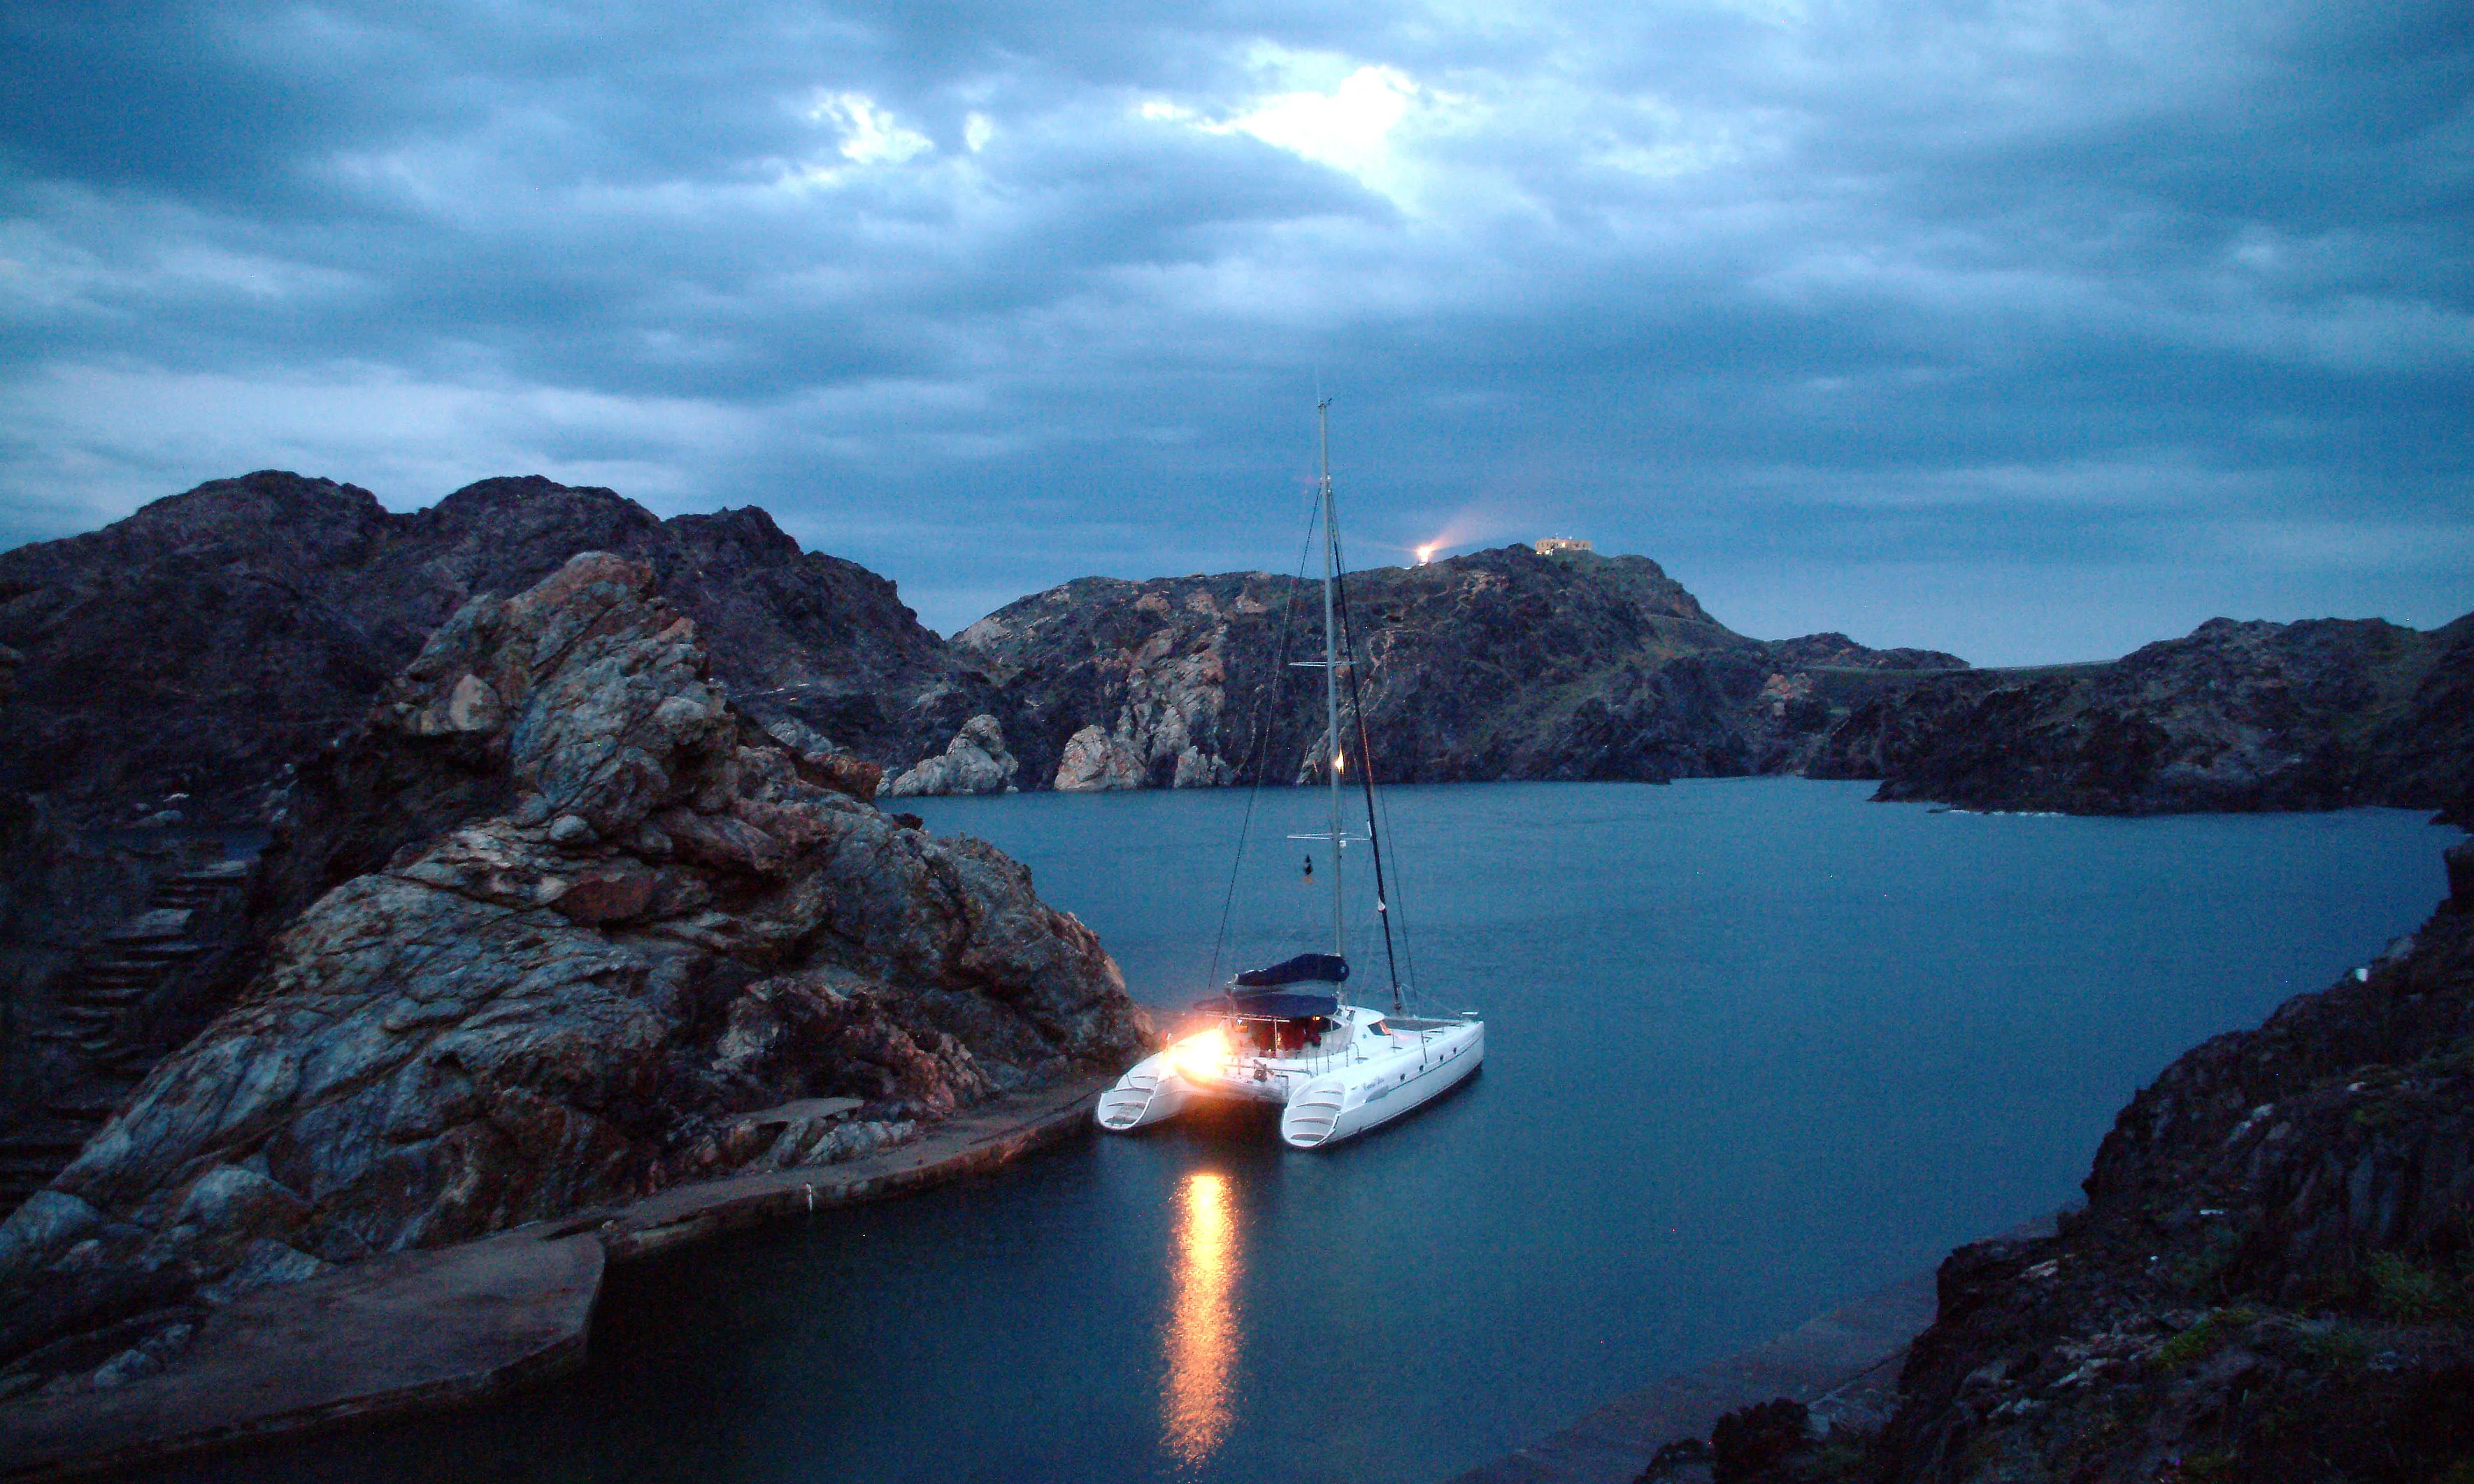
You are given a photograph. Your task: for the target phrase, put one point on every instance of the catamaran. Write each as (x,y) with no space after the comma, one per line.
(1287,1034)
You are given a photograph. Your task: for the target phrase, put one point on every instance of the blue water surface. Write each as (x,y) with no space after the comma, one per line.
(1753,1048)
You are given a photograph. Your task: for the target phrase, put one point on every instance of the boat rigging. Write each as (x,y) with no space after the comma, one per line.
(1286,1033)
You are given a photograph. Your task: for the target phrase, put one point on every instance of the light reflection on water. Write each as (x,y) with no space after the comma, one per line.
(1202,1338)
(1759,1047)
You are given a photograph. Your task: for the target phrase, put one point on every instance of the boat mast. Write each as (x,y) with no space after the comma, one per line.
(1331,670)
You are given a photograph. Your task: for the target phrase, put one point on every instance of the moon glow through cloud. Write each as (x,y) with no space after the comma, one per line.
(2025,332)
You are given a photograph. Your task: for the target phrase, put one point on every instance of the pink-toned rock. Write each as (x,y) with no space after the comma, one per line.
(612,896)
(655,919)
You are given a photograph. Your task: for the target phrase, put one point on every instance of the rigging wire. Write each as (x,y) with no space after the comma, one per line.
(1365,768)
(1279,673)
(1399,907)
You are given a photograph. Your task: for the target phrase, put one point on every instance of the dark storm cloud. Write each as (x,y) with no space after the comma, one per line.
(1896,318)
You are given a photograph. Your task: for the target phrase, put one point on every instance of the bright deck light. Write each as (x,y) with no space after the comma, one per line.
(1199,1056)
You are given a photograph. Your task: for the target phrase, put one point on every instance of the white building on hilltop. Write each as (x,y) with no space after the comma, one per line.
(1554,544)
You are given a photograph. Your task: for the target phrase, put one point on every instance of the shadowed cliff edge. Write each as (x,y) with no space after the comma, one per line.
(184,664)
(584,913)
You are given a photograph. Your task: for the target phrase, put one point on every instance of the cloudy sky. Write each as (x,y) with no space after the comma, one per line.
(2028,330)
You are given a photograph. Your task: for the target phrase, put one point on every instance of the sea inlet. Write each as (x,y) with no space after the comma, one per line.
(1753,1048)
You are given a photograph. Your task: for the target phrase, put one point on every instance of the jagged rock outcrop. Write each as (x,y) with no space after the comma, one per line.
(2272,1281)
(2317,715)
(1096,760)
(619,922)
(1500,664)
(2421,752)
(181,665)
(1834,650)
(975,762)
(214,639)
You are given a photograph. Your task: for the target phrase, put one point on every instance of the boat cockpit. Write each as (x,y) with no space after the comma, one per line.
(1288,1038)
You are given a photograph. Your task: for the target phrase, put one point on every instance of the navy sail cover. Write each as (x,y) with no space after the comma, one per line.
(1259,993)
(1271,1004)
(1320,967)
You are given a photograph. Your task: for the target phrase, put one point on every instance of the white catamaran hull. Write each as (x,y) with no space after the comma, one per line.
(1283,1033)
(1341,1105)
(1387,1069)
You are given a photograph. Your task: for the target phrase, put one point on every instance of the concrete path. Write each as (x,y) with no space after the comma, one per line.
(413,1331)
(1843,1365)
(399,1333)
(978,1138)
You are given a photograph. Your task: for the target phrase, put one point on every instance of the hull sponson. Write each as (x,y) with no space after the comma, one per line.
(1323,1099)
(1371,1093)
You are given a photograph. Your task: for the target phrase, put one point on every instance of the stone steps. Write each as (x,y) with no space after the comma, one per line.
(30,1155)
(47,1138)
(116,995)
(115,975)
(87,1041)
(92,1102)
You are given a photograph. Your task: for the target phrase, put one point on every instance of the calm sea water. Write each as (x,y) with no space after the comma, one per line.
(1753,1048)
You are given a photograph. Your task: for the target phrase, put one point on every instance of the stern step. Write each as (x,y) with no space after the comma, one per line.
(1123,1106)
(1310,1115)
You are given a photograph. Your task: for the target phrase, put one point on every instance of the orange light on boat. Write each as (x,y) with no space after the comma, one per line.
(1199,1056)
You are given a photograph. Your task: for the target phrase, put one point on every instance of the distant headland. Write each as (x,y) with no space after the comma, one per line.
(190,659)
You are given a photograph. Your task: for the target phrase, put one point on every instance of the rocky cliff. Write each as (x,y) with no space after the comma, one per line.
(186,663)
(1501,664)
(619,930)
(2272,1280)
(178,663)
(2318,715)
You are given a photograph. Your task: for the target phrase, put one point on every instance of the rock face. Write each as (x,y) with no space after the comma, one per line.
(2272,1273)
(1497,665)
(975,762)
(212,640)
(619,922)
(1095,760)
(2318,715)
(181,665)
(2274,1278)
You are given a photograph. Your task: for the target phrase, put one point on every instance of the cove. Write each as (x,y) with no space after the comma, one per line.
(1754,1047)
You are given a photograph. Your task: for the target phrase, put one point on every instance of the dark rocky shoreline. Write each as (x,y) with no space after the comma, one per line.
(2236,716)
(2272,1278)
(185,664)
(186,661)
(577,882)
(557,926)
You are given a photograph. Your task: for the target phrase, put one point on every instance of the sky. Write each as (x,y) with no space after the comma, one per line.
(2030,331)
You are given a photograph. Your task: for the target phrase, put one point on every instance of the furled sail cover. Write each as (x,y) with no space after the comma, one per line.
(1321,967)
(1271,1004)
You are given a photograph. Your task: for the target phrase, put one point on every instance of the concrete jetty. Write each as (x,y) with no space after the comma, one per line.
(413,1331)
